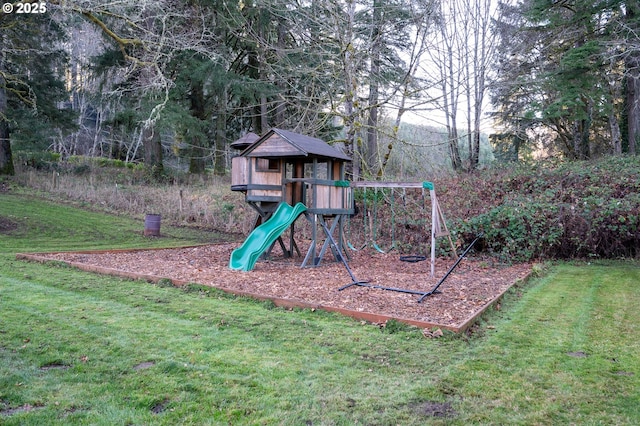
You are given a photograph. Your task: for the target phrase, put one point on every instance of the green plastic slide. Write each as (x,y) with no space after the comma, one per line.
(244,258)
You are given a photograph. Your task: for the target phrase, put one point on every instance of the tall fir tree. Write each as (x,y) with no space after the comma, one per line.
(32,89)
(563,69)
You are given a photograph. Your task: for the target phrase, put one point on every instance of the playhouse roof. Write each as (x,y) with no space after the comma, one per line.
(283,143)
(245,141)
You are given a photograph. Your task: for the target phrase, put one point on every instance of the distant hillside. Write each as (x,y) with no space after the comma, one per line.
(424,151)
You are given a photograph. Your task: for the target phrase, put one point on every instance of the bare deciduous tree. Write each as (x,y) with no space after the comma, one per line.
(460,61)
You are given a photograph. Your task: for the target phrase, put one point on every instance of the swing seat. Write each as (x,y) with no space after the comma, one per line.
(378,249)
(413,258)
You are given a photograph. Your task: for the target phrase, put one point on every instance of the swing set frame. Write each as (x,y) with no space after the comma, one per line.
(438,229)
(438,223)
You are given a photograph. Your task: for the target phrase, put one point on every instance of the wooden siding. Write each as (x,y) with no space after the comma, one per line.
(330,197)
(239,171)
(264,185)
(264,195)
(275,145)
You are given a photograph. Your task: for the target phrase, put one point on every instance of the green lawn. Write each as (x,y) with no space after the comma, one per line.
(80,348)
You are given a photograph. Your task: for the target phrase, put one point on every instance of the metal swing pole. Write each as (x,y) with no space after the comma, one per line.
(351,218)
(435,289)
(434,219)
(374,223)
(354,280)
(393,223)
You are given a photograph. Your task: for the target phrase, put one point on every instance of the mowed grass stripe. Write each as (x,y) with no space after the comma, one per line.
(45,226)
(230,352)
(102,341)
(567,352)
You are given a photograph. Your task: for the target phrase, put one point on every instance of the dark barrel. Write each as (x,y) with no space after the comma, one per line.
(152,225)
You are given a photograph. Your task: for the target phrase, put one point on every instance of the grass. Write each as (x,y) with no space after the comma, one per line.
(35,224)
(566,353)
(81,348)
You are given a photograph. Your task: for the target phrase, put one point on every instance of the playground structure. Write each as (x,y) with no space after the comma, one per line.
(285,168)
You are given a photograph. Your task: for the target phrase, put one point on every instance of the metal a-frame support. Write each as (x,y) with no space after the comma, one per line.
(424,294)
(329,243)
(434,290)
(340,251)
(438,225)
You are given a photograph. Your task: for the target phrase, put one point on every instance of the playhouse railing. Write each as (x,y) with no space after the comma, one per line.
(322,196)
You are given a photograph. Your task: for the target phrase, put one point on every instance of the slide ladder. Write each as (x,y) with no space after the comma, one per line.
(261,238)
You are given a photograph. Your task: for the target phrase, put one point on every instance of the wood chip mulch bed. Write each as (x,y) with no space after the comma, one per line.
(468,291)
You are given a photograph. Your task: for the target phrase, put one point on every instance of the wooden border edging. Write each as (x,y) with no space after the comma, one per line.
(280,302)
(473,318)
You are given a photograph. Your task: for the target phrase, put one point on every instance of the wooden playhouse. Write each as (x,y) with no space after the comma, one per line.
(283,166)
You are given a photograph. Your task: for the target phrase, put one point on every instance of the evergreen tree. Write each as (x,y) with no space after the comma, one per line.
(199,110)
(31,85)
(561,74)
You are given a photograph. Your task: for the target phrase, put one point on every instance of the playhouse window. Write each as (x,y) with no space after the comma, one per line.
(267,164)
(317,170)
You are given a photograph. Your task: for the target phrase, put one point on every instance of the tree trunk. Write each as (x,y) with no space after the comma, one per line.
(374,75)
(452,130)
(580,140)
(612,118)
(254,73)
(633,102)
(585,145)
(372,139)
(219,163)
(152,146)
(450,91)
(454,152)
(475,155)
(6,157)
(616,138)
(280,83)
(632,72)
(351,88)
(197,164)
(468,73)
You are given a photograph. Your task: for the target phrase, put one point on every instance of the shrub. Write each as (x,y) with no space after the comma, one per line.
(575,210)
(38,160)
(518,231)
